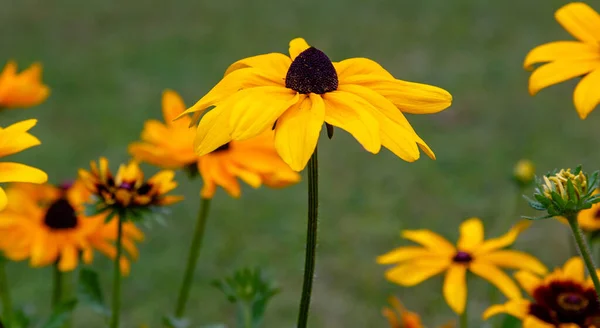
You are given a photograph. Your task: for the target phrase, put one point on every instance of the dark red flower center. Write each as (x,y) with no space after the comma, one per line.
(564,301)
(312,72)
(597,214)
(60,215)
(462,257)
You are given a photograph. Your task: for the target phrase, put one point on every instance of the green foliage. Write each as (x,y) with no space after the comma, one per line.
(89,291)
(172,322)
(511,322)
(60,315)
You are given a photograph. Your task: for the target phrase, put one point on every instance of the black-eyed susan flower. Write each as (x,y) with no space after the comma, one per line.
(23,89)
(563,298)
(482,257)
(565,60)
(13,139)
(46,224)
(294,95)
(170,145)
(399,317)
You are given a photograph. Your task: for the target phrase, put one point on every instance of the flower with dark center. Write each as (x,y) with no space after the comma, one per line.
(311,72)
(60,215)
(462,257)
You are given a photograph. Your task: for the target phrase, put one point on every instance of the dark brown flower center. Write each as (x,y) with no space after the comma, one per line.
(60,215)
(572,301)
(312,72)
(462,257)
(564,301)
(597,214)
(222,148)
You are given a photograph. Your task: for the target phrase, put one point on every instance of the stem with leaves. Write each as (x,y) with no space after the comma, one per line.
(584,250)
(116,301)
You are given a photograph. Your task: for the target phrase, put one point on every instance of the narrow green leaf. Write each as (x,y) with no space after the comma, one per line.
(90,292)
(571,190)
(20,319)
(557,199)
(172,322)
(60,315)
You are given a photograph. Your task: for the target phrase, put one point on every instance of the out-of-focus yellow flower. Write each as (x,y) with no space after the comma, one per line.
(24,89)
(296,94)
(563,298)
(484,258)
(14,139)
(45,224)
(399,317)
(569,59)
(524,172)
(170,145)
(589,219)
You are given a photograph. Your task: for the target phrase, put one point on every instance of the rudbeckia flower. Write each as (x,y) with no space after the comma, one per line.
(24,89)
(569,59)
(399,317)
(45,224)
(170,145)
(294,95)
(14,139)
(563,298)
(484,258)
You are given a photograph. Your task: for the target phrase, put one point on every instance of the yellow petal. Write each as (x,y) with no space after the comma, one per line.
(213,131)
(297,131)
(559,71)
(518,308)
(347,111)
(3,199)
(68,258)
(495,276)
(533,322)
(415,272)
(504,240)
(172,107)
(580,20)
(528,281)
(561,50)
(573,269)
(586,96)
(401,254)
(16,172)
(471,234)
(359,66)
(297,46)
(455,288)
(516,260)
(274,62)
(430,240)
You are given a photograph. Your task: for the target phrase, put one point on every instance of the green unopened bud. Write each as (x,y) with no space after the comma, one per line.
(565,193)
(524,172)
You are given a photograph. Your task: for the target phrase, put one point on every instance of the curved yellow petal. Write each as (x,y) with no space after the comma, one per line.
(559,71)
(213,131)
(3,199)
(347,111)
(518,308)
(528,281)
(172,106)
(504,240)
(580,20)
(359,66)
(586,96)
(429,239)
(516,260)
(574,269)
(272,62)
(297,131)
(415,272)
(533,322)
(69,257)
(497,277)
(455,288)
(561,50)
(297,46)
(17,172)
(471,235)
(402,254)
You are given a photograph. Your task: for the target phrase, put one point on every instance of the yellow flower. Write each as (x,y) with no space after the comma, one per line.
(129,189)
(563,298)
(482,257)
(46,225)
(170,145)
(295,95)
(24,89)
(14,139)
(524,172)
(399,317)
(569,59)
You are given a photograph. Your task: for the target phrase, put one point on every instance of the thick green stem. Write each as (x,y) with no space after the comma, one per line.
(247,315)
(57,286)
(7,309)
(116,293)
(464,319)
(311,239)
(584,250)
(188,277)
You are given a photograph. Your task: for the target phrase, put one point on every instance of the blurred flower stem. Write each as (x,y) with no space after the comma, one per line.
(7,310)
(311,238)
(116,301)
(464,318)
(584,250)
(188,277)
(57,285)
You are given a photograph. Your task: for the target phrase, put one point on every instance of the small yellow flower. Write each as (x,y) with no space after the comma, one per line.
(14,139)
(484,258)
(524,172)
(170,145)
(569,59)
(296,94)
(22,90)
(45,224)
(129,189)
(399,317)
(563,298)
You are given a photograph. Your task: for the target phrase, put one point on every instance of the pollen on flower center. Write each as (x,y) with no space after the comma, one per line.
(60,215)
(312,72)
(572,301)
(462,257)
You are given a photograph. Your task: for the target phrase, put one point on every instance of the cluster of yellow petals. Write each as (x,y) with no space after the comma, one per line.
(23,89)
(558,183)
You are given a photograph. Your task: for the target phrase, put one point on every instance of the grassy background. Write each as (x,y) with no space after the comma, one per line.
(108,61)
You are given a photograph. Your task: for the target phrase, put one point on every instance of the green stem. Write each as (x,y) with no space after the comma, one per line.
(116,301)
(311,239)
(247,313)
(584,250)
(464,319)
(57,285)
(7,309)
(188,277)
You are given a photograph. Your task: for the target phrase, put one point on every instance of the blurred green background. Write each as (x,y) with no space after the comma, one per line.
(108,61)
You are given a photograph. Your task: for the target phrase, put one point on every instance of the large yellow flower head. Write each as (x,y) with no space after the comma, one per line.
(46,224)
(563,298)
(170,145)
(484,258)
(295,95)
(14,139)
(569,59)
(22,90)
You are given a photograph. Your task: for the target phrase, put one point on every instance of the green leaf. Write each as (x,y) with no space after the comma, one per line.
(571,190)
(172,322)
(60,315)
(20,319)
(90,292)
(557,199)
(542,199)
(511,322)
